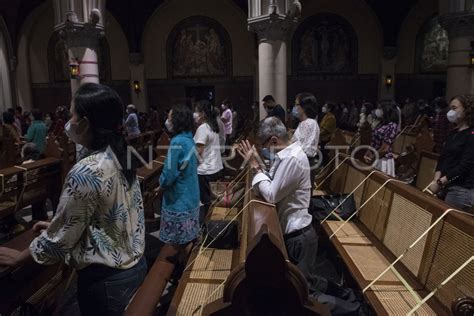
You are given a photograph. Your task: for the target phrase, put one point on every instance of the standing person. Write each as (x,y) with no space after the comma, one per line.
(455,171)
(20,118)
(179,182)
(383,137)
(131,123)
(226,118)
(274,109)
(154,122)
(440,123)
(37,131)
(217,115)
(235,121)
(208,149)
(307,132)
(48,120)
(61,119)
(327,128)
(8,123)
(99,225)
(16,121)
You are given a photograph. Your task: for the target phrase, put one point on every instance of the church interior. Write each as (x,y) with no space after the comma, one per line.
(236,157)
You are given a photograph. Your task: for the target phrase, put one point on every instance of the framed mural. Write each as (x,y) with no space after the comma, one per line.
(324,44)
(199,47)
(432,45)
(58,60)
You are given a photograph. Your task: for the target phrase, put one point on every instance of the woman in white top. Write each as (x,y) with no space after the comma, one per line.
(208,148)
(307,132)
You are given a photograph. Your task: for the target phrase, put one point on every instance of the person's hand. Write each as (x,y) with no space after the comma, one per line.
(434,187)
(248,153)
(40,226)
(9,257)
(158,192)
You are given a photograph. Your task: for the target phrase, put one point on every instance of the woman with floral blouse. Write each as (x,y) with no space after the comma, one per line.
(99,226)
(383,137)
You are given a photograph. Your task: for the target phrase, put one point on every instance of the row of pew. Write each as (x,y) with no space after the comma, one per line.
(408,251)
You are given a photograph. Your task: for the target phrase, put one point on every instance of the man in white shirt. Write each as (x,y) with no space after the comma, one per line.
(287,185)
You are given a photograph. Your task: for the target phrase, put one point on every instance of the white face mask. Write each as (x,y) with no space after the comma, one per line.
(71,131)
(324,109)
(196,117)
(169,126)
(379,113)
(453,116)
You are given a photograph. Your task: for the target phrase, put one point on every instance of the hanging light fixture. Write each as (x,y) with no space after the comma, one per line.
(74,69)
(136,87)
(388,81)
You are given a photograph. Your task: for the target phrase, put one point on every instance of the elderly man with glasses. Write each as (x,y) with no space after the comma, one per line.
(287,185)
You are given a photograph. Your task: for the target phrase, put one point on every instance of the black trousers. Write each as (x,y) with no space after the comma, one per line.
(205,193)
(302,251)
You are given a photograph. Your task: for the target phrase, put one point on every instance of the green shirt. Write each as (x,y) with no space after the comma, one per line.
(37,134)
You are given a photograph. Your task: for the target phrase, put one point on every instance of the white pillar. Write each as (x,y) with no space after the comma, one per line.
(272,61)
(83,43)
(460,28)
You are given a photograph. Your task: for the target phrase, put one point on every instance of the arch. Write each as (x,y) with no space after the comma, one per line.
(163,20)
(199,46)
(6,92)
(432,45)
(422,11)
(316,37)
(363,21)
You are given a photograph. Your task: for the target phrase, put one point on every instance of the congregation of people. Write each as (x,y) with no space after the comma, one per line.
(98,226)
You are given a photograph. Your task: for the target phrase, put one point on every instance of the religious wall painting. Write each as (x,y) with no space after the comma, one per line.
(199,47)
(432,47)
(324,43)
(58,60)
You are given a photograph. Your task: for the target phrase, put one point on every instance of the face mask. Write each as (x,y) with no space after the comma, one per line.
(345,110)
(169,126)
(268,155)
(71,132)
(379,113)
(295,112)
(363,109)
(223,106)
(325,109)
(196,117)
(452,116)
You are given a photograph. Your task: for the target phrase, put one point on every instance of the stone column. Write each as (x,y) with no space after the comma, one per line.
(81,24)
(460,28)
(272,21)
(83,43)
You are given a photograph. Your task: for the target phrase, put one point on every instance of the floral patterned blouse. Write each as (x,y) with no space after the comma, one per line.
(99,219)
(384,133)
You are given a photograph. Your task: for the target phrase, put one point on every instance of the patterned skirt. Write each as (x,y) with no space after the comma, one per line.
(179,227)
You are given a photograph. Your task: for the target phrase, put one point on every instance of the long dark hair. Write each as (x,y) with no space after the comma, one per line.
(309,104)
(103,108)
(182,119)
(390,112)
(204,106)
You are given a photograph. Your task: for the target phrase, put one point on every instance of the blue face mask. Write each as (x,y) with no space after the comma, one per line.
(268,155)
(295,112)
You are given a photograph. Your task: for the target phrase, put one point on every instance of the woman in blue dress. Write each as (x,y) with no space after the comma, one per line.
(179,182)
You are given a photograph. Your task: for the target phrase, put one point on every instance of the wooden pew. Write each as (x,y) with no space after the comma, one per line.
(390,220)
(30,183)
(149,181)
(31,282)
(215,280)
(22,186)
(426,169)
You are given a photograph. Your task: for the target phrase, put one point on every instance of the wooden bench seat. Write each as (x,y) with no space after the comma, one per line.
(392,217)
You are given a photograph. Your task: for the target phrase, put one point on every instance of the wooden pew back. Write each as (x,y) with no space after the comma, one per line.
(426,169)
(397,215)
